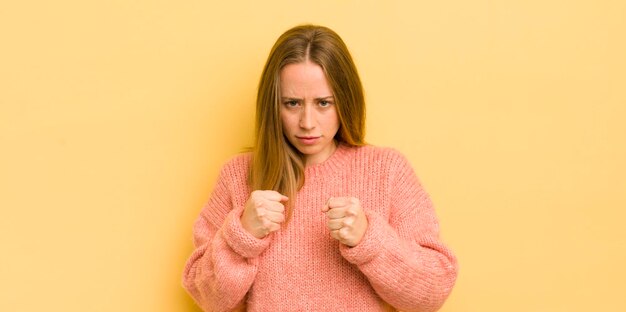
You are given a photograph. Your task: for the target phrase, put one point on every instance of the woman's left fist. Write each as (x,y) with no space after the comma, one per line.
(346,220)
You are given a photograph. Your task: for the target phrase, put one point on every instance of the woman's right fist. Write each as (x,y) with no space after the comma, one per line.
(264,212)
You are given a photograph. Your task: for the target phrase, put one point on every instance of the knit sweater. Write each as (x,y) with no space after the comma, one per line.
(399,264)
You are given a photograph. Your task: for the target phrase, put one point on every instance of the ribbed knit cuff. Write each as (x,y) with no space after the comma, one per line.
(242,242)
(372,242)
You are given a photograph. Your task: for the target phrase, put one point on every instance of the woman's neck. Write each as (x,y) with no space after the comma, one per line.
(322,156)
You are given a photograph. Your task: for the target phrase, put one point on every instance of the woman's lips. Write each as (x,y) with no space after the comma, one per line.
(308,140)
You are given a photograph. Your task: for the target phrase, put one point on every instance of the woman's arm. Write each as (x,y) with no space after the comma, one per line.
(403,258)
(222,267)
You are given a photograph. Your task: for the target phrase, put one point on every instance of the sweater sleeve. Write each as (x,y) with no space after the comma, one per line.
(222,268)
(402,257)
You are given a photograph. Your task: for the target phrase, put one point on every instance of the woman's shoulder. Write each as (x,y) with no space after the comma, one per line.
(237,163)
(378,153)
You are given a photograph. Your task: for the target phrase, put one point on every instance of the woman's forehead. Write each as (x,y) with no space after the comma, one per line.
(304,80)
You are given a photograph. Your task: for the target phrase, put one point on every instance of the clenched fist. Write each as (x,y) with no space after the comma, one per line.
(346,220)
(263,213)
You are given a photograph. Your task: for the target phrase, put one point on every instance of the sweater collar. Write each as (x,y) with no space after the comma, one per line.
(335,162)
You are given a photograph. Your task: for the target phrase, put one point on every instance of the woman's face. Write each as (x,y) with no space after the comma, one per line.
(308,111)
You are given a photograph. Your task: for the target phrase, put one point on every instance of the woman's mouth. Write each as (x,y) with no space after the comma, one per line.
(308,140)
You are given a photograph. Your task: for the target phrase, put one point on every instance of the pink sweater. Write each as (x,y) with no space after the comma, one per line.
(399,263)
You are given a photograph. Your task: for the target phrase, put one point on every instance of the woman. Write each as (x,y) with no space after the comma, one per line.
(313,219)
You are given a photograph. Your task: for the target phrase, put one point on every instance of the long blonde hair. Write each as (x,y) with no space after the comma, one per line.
(276,164)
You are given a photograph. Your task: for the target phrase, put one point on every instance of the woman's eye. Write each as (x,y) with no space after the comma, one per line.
(292,103)
(324,103)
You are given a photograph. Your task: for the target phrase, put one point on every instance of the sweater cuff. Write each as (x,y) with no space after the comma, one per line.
(372,242)
(242,242)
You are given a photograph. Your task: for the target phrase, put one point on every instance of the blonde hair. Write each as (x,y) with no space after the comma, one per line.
(276,164)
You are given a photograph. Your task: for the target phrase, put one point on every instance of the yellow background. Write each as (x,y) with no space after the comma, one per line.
(115,117)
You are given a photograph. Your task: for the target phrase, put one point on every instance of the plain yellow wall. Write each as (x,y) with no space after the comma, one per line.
(115,117)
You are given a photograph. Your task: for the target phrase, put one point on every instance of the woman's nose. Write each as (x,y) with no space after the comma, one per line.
(306,118)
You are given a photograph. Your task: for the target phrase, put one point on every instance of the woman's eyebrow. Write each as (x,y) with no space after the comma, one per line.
(324,98)
(290,98)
